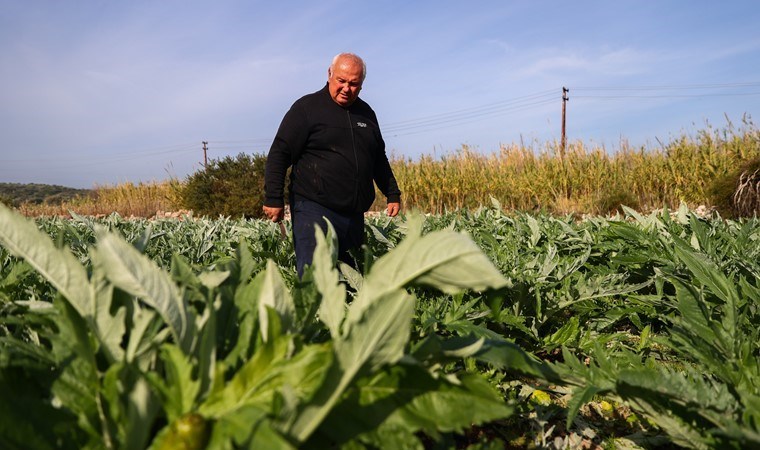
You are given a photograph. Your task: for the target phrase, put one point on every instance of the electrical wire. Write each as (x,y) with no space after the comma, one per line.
(676,91)
(668,87)
(427,123)
(468,115)
(456,121)
(738,94)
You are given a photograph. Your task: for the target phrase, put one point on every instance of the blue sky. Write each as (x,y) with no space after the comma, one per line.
(104,92)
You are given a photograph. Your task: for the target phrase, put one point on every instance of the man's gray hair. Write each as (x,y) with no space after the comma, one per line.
(353,56)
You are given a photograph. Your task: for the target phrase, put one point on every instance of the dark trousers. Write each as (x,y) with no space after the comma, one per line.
(349,229)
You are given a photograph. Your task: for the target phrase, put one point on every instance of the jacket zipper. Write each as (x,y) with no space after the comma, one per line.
(356,160)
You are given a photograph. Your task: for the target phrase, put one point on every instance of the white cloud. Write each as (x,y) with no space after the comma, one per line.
(597,62)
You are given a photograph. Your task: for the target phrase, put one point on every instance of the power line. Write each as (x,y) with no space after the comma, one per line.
(736,94)
(243,141)
(675,91)
(465,111)
(472,114)
(426,123)
(214,146)
(406,131)
(467,115)
(669,87)
(737,89)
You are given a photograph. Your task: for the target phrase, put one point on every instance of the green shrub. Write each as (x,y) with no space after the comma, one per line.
(8,201)
(232,186)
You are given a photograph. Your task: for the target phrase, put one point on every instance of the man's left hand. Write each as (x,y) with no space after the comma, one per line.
(393,209)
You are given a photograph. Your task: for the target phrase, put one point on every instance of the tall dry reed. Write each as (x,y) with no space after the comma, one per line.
(586,180)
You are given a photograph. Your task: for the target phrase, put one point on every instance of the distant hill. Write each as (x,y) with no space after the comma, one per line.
(17,193)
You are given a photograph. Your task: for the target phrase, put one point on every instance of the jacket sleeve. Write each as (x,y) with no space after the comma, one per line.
(286,148)
(384,177)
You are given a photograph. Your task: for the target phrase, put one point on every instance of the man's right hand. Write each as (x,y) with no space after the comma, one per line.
(274,214)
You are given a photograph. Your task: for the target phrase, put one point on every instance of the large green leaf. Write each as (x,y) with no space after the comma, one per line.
(271,370)
(274,295)
(408,399)
(445,260)
(16,275)
(697,335)
(377,327)
(246,382)
(510,356)
(136,274)
(208,346)
(246,300)
(180,387)
(581,395)
(143,334)
(380,336)
(377,338)
(248,427)
(680,405)
(77,385)
(109,321)
(332,309)
(22,238)
(27,417)
(707,273)
(141,412)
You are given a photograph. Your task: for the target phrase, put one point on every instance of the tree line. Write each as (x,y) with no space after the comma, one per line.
(14,194)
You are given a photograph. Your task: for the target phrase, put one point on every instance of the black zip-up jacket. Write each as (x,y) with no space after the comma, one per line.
(336,154)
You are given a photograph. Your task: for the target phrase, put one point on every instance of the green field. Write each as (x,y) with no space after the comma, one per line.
(466,330)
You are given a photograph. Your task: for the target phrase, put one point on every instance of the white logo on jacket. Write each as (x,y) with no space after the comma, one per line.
(361,124)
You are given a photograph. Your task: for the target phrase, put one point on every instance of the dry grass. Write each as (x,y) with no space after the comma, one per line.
(126,199)
(588,180)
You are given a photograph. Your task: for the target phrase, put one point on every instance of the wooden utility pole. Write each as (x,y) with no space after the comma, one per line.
(564,136)
(205,149)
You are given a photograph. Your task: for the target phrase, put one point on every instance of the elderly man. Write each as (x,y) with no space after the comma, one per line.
(333,143)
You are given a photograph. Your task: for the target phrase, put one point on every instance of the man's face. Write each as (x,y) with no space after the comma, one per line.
(344,80)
